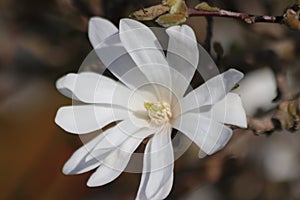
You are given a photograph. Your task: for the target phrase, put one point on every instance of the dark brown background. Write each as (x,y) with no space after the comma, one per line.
(43,40)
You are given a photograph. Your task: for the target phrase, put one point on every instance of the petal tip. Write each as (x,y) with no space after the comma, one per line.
(99,29)
(62,120)
(58,117)
(94,182)
(237,72)
(94,21)
(201,154)
(90,184)
(244,124)
(59,83)
(66,170)
(127,24)
(173,28)
(125,21)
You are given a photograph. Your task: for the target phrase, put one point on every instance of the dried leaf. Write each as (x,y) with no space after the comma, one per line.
(206,7)
(176,6)
(170,2)
(179,8)
(150,13)
(292,109)
(168,20)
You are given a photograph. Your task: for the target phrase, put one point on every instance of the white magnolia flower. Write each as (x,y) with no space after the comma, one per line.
(148,102)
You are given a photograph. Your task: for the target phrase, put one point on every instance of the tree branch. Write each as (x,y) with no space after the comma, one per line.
(248,18)
(286,117)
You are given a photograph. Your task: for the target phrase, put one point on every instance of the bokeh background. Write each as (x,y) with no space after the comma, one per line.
(43,40)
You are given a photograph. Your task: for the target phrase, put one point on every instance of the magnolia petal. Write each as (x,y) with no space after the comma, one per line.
(156,181)
(146,51)
(90,87)
(228,111)
(108,47)
(165,189)
(141,43)
(100,29)
(66,84)
(77,163)
(83,119)
(98,156)
(182,55)
(210,136)
(162,193)
(114,137)
(115,58)
(201,154)
(212,91)
(115,163)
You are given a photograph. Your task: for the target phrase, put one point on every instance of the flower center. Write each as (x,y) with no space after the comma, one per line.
(159,112)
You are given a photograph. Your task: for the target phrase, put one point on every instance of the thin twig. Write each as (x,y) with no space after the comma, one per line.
(248,18)
(209,34)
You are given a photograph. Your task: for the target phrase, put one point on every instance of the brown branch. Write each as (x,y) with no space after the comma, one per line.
(286,117)
(248,18)
(172,13)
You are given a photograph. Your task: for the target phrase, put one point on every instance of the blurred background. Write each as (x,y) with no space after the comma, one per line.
(43,40)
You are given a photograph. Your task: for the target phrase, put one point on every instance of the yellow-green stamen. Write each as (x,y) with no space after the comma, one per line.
(159,112)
